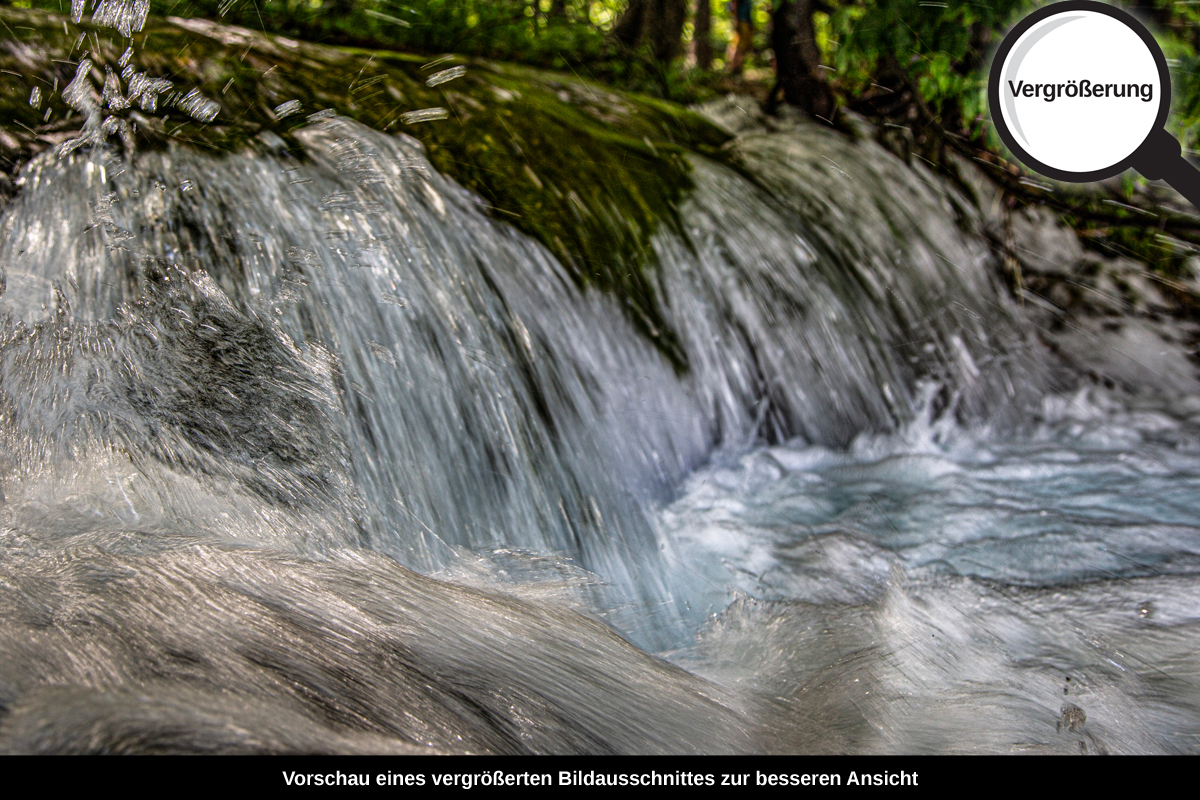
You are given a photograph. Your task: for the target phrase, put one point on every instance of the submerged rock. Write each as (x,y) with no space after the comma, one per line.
(1073,718)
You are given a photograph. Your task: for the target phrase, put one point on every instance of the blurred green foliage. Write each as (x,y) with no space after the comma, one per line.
(563,35)
(945,46)
(540,32)
(942,46)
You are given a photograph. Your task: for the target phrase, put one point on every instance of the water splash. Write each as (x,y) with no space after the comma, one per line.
(127,16)
(106,111)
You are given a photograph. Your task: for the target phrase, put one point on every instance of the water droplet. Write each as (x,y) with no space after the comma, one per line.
(446,75)
(287,109)
(424,115)
(199,107)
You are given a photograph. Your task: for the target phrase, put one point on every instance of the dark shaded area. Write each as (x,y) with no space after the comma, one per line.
(799,80)
(656,25)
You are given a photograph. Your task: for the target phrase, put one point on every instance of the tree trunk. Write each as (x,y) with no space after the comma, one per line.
(656,25)
(702,35)
(797,60)
(971,63)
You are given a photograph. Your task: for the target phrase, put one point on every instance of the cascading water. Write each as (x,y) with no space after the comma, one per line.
(240,391)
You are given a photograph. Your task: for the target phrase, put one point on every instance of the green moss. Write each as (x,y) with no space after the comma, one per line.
(590,172)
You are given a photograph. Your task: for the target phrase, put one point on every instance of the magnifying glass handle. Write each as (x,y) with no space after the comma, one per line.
(1185,179)
(1161,158)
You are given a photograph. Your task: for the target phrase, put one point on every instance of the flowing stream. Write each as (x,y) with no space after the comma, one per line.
(303,451)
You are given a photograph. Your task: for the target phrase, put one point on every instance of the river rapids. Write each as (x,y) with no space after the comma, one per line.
(302,451)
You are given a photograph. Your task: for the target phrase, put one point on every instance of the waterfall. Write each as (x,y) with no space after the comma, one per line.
(243,395)
(478,397)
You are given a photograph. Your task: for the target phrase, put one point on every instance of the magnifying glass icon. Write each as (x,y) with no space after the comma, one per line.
(1079,91)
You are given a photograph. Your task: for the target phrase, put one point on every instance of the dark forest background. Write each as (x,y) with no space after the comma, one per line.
(920,64)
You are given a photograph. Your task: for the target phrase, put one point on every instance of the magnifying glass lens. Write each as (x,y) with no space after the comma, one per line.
(1080,91)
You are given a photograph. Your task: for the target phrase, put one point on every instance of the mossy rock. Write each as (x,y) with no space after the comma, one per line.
(589,171)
